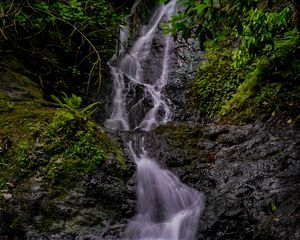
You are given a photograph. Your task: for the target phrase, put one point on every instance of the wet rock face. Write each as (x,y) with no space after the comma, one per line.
(183,68)
(249,175)
(96,207)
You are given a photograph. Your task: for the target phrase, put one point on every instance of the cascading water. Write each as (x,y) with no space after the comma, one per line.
(167,209)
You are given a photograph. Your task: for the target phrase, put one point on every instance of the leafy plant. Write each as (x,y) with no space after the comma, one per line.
(257,73)
(217,19)
(260,31)
(73,104)
(208,19)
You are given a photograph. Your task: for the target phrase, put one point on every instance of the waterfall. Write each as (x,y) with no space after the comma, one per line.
(167,209)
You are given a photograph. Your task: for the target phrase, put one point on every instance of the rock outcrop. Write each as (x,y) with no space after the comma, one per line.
(249,175)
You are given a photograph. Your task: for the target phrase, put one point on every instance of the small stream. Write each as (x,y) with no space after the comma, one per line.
(166,208)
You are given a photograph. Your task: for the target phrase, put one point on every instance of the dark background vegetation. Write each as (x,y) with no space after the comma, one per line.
(64,44)
(252,66)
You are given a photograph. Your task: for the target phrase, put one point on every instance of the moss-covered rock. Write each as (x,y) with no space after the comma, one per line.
(268,86)
(263,94)
(60,172)
(216,82)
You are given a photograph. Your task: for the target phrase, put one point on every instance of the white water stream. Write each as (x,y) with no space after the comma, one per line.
(167,209)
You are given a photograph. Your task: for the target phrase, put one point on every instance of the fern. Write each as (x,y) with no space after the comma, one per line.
(73,103)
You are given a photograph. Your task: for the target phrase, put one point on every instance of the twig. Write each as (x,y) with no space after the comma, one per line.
(3,34)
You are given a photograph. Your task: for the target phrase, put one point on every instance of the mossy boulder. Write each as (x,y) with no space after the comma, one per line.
(60,172)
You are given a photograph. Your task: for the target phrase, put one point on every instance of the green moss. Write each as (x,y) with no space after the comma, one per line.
(22,158)
(80,152)
(47,224)
(181,134)
(262,94)
(20,105)
(65,148)
(38,140)
(216,82)
(273,206)
(268,86)
(6,106)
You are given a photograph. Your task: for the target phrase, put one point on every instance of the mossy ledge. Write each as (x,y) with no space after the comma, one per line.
(48,155)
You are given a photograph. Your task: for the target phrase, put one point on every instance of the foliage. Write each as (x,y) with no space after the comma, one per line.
(56,144)
(217,19)
(35,140)
(73,104)
(255,25)
(266,91)
(64,149)
(260,32)
(216,82)
(261,73)
(268,86)
(65,41)
(272,84)
(208,19)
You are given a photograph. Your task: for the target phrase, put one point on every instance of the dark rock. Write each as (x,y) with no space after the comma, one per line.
(98,205)
(184,65)
(249,175)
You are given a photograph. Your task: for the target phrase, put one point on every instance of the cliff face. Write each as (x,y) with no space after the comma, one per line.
(249,175)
